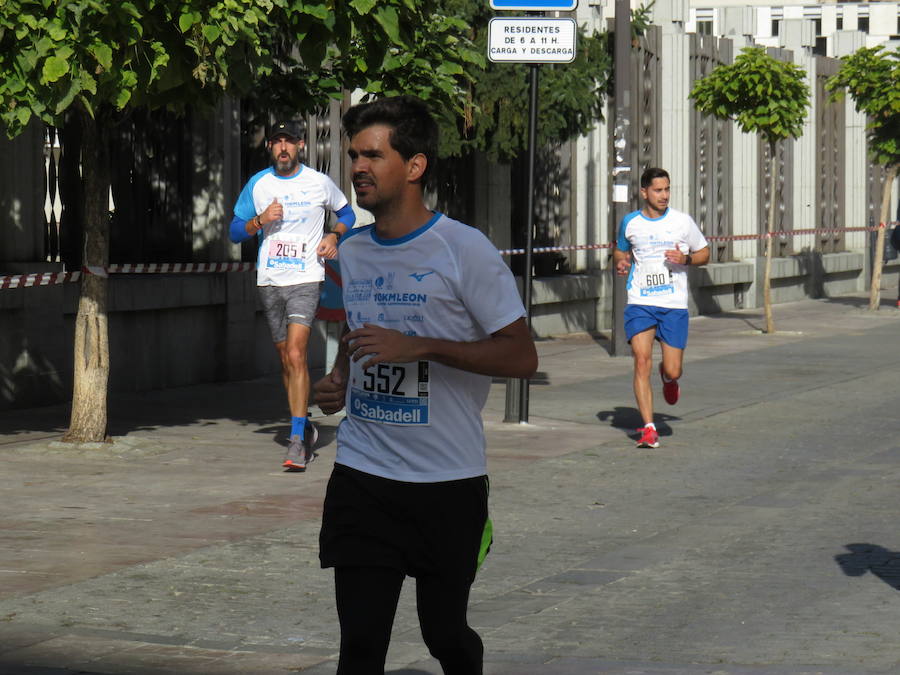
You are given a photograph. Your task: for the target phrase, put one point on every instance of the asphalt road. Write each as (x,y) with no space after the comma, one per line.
(761,537)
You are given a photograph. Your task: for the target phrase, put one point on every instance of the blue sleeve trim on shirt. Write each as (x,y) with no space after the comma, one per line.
(622,242)
(237,232)
(244,207)
(346,215)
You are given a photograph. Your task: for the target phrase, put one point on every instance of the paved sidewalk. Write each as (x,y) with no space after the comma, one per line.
(761,537)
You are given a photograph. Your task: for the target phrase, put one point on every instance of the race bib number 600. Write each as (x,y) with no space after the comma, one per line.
(390,393)
(654,279)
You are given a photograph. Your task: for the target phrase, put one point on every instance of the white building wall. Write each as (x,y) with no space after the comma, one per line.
(590,159)
(846,42)
(675,85)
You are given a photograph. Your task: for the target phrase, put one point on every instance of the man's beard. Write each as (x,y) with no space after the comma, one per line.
(286,165)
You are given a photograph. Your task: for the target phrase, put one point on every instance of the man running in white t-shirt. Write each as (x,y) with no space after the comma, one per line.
(654,248)
(433,313)
(284,207)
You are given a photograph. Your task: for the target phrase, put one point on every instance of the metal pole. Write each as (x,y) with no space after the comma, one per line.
(622,160)
(529,223)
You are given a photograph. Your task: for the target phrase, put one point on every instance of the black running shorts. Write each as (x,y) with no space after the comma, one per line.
(417,528)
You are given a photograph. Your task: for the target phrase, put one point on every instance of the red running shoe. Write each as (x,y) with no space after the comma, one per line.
(671,390)
(649,438)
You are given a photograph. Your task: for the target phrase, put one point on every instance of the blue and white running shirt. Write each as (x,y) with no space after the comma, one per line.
(421,422)
(652,280)
(287,252)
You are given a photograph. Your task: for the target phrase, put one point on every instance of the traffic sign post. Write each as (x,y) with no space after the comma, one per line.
(532,40)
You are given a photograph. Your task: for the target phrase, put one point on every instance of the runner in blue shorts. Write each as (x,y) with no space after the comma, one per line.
(654,248)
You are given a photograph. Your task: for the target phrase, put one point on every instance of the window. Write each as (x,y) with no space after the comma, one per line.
(776,25)
(863,24)
(704,27)
(821,48)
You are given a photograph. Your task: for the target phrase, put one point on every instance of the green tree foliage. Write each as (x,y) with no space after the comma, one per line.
(570,96)
(872,78)
(93,62)
(291,54)
(764,96)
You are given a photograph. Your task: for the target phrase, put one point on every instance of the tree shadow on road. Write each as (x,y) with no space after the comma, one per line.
(862,558)
(755,321)
(251,403)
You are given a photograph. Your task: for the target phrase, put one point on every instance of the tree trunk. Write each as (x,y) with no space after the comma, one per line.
(91,373)
(770,245)
(875,290)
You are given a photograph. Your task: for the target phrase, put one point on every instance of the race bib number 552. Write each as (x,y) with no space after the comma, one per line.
(390,393)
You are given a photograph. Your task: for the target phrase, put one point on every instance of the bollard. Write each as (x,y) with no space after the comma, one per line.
(513,393)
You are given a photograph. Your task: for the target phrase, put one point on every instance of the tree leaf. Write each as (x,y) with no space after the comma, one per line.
(185,22)
(54,68)
(389,21)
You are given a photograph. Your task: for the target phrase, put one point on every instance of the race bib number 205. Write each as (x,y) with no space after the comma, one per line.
(286,252)
(390,393)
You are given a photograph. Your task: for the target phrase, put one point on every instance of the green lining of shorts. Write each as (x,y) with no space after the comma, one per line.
(487,538)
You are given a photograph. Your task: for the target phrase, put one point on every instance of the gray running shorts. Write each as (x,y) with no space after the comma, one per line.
(289,304)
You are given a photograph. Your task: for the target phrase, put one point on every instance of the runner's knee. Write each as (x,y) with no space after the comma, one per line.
(642,364)
(295,358)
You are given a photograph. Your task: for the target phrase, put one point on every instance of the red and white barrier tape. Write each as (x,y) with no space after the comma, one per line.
(50,278)
(549,249)
(734,237)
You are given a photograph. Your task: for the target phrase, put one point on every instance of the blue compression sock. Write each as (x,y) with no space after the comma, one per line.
(298,426)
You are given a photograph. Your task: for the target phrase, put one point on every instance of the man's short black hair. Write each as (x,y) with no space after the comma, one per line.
(651,173)
(413,129)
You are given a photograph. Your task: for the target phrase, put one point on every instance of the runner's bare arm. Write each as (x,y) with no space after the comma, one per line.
(509,352)
(622,261)
(700,257)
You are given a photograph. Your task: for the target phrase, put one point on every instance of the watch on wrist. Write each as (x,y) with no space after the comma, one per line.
(688,259)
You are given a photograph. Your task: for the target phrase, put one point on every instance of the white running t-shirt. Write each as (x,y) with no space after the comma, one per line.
(287,252)
(421,422)
(652,280)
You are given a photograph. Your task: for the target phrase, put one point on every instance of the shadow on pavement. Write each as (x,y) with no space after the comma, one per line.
(881,562)
(629,419)
(259,402)
(887,301)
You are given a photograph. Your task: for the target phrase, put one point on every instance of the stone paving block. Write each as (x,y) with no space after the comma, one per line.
(66,651)
(14,637)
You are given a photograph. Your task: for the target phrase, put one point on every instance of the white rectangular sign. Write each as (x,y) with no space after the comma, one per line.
(531,40)
(535,5)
